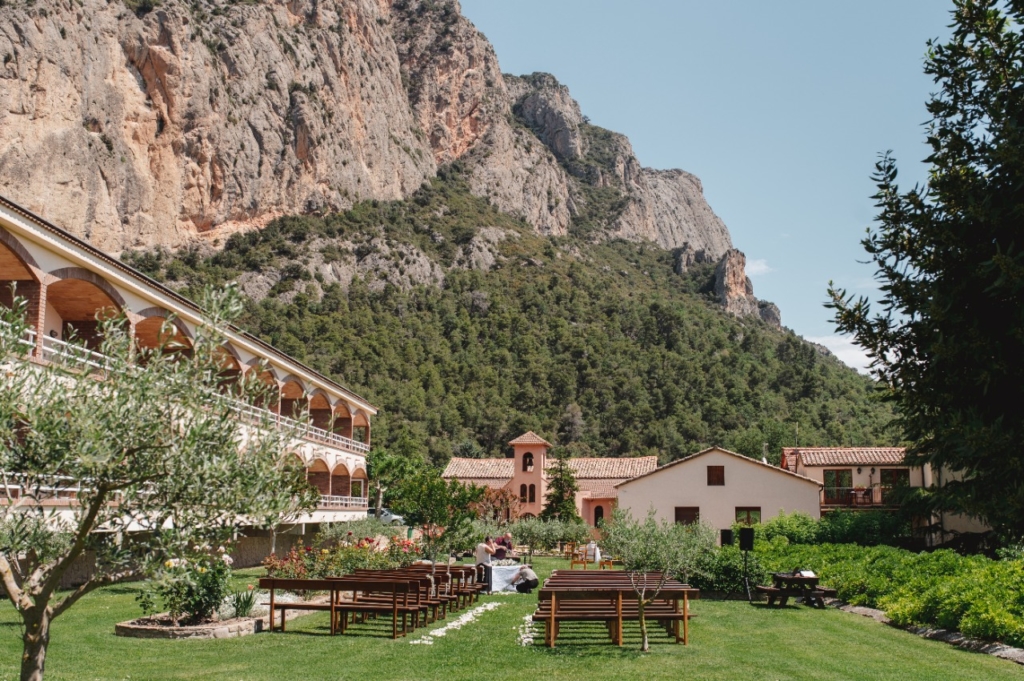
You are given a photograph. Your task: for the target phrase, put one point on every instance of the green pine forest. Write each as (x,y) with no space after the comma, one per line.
(599,346)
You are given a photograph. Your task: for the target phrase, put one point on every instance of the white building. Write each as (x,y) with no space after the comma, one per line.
(719,488)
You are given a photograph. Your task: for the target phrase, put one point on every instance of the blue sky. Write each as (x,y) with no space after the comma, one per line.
(781,109)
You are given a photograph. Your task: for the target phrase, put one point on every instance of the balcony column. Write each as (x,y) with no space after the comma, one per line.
(34,292)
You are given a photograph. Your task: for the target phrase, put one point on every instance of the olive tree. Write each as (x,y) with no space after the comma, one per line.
(654,551)
(147,462)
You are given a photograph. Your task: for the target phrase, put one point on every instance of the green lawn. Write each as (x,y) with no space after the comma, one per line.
(728,640)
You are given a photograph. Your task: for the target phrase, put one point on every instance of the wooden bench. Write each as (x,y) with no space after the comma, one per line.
(272,584)
(378,596)
(612,601)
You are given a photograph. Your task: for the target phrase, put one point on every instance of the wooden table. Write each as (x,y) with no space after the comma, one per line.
(786,584)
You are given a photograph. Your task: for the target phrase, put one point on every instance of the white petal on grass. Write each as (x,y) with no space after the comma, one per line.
(470,616)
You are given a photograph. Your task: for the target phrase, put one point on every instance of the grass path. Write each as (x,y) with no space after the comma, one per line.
(729,640)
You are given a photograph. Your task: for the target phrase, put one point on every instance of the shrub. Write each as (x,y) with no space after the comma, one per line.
(722,571)
(190,590)
(242,602)
(975,595)
(866,528)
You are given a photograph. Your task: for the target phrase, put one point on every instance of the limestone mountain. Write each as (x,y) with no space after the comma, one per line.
(162,123)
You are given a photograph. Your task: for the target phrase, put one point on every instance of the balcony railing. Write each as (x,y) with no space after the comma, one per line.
(28,337)
(856,496)
(306,430)
(329,501)
(55,350)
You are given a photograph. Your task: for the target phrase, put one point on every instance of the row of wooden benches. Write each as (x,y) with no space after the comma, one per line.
(609,597)
(409,595)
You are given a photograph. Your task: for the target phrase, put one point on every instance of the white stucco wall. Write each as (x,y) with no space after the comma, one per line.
(747,483)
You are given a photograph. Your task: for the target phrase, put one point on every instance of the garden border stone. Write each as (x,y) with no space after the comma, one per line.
(228,629)
(954,638)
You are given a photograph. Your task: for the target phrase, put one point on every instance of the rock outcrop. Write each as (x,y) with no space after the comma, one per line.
(735,292)
(196,119)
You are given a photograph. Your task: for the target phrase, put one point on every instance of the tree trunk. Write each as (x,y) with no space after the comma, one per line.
(644,645)
(35,641)
(379,502)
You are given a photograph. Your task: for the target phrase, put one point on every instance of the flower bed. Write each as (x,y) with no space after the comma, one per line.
(162,626)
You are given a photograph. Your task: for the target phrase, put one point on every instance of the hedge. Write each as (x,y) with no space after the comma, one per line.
(975,595)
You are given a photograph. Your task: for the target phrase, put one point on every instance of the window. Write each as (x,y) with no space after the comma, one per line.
(357,488)
(716,475)
(533,493)
(598,515)
(528,462)
(891,479)
(687,515)
(748,515)
(522,493)
(838,484)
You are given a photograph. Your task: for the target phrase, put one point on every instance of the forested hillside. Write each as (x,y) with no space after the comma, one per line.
(465,336)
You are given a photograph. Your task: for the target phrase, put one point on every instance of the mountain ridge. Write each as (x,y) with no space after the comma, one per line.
(179,121)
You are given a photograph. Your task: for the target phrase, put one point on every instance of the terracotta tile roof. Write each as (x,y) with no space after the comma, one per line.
(493,483)
(599,488)
(846,456)
(601,467)
(755,462)
(530,438)
(465,469)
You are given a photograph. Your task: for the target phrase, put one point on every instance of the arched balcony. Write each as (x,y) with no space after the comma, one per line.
(293,398)
(18,268)
(319,476)
(157,331)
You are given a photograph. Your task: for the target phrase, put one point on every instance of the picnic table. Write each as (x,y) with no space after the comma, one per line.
(786,585)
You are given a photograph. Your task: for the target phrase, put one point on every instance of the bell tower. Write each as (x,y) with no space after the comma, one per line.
(528,479)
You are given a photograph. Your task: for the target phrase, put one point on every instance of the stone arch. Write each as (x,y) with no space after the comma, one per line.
(149,328)
(80,274)
(80,299)
(360,426)
(293,399)
(27,262)
(360,483)
(341,480)
(321,411)
(598,515)
(528,462)
(318,473)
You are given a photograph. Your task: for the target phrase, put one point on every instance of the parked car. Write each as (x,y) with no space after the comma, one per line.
(386,516)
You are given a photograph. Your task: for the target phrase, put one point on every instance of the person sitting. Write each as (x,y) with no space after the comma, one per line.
(527,580)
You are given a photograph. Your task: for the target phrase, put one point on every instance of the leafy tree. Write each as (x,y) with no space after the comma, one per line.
(150,454)
(442,509)
(652,552)
(948,340)
(562,488)
(387,467)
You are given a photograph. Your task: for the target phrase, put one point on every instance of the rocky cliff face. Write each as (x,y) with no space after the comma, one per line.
(735,292)
(135,128)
